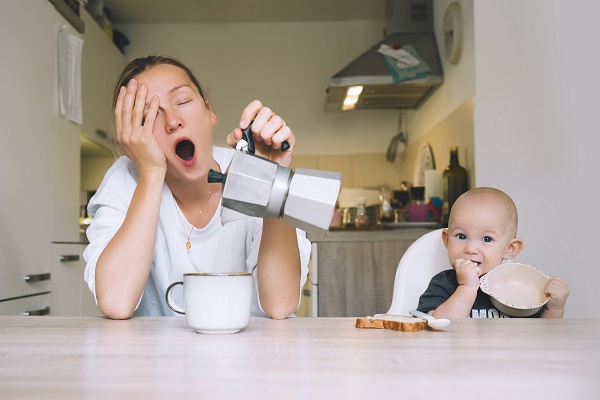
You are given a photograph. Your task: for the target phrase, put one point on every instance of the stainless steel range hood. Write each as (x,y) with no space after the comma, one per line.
(410,22)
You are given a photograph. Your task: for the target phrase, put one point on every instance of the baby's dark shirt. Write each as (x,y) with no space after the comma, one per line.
(444,284)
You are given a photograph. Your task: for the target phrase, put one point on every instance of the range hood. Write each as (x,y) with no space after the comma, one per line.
(410,22)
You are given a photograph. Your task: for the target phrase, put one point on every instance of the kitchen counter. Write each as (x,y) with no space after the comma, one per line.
(352,272)
(84,242)
(374,234)
(298,358)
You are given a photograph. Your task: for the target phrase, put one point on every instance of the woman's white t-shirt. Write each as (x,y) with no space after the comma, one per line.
(215,248)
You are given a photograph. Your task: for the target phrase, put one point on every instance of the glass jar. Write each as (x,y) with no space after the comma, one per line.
(362,219)
(417,208)
(385,198)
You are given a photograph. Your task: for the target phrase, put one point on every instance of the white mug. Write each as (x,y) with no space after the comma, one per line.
(214,302)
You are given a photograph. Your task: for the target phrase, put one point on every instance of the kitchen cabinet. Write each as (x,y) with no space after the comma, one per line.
(30,306)
(353,271)
(39,156)
(64,172)
(70,294)
(101,64)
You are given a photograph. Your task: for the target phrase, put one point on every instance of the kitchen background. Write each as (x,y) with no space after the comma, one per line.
(520,104)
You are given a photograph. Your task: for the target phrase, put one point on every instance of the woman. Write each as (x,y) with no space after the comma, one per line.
(157,217)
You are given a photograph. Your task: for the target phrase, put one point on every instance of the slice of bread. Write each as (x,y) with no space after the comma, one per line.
(392,322)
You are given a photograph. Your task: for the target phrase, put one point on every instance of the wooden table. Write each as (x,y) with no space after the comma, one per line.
(298,358)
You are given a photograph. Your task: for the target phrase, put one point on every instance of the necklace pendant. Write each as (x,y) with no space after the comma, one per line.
(188,245)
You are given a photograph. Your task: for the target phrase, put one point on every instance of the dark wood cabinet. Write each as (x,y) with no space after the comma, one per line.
(354,272)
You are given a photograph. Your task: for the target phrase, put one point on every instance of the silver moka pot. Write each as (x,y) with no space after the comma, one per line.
(257,187)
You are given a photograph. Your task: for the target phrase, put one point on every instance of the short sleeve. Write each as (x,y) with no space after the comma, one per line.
(439,290)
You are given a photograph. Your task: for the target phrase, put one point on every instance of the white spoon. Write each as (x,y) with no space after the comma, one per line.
(431,321)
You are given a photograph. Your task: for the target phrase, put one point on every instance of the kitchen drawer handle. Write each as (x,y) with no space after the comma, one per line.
(69,257)
(101,133)
(37,277)
(43,311)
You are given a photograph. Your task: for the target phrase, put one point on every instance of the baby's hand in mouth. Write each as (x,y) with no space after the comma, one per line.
(462,260)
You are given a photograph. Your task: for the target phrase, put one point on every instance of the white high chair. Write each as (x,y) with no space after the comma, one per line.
(422,260)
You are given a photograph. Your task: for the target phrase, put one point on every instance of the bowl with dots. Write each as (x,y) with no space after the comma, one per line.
(516,289)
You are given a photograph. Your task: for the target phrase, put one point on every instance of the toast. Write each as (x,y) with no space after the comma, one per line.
(391,322)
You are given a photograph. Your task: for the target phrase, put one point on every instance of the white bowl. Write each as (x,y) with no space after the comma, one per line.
(515,289)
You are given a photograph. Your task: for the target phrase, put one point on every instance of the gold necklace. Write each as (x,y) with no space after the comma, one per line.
(188,244)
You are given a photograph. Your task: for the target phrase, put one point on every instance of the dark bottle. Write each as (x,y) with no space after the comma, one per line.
(455,182)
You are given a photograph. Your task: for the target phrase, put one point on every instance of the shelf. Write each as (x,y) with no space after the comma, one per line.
(69,14)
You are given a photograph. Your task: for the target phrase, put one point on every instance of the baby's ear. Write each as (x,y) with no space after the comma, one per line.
(513,249)
(445,237)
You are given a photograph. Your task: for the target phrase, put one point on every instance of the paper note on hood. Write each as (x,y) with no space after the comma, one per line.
(403,58)
(407,66)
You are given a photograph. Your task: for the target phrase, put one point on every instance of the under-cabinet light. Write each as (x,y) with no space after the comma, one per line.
(351,99)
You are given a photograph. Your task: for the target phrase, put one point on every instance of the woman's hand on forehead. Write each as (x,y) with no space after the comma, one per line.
(134,123)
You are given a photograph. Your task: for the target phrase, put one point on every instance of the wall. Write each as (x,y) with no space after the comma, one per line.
(292,65)
(459,82)
(288,66)
(92,172)
(285,65)
(446,119)
(536,124)
(372,170)
(454,130)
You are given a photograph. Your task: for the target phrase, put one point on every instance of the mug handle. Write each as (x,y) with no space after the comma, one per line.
(171,301)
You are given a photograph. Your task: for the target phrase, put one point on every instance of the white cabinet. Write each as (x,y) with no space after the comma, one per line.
(39,156)
(70,294)
(31,306)
(100,65)
(64,168)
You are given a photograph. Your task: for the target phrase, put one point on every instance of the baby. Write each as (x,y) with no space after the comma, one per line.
(481,232)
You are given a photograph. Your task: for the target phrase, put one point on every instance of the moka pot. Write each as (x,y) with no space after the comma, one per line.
(258,187)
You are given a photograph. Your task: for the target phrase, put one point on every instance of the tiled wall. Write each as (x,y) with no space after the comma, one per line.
(358,170)
(374,171)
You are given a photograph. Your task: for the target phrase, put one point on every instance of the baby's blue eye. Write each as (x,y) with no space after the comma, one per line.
(487,239)
(461,236)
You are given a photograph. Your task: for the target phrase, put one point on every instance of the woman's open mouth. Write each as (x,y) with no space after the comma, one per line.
(185,150)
